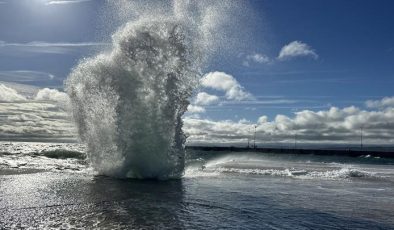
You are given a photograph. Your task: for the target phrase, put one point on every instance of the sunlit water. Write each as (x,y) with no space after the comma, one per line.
(51,186)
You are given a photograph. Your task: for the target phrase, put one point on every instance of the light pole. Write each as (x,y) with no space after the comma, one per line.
(254,137)
(249,137)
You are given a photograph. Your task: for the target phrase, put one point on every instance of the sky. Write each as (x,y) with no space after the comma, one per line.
(311,71)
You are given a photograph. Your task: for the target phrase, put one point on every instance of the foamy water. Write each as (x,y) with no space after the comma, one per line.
(128,102)
(294,166)
(73,158)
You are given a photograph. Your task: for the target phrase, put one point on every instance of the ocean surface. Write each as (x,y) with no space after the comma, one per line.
(46,185)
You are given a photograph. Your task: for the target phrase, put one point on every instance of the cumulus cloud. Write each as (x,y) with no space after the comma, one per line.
(262,119)
(54,95)
(385,102)
(10,95)
(335,125)
(227,83)
(206,99)
(296,49)
(195,109)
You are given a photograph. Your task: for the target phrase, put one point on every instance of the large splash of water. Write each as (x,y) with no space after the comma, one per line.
(128,102)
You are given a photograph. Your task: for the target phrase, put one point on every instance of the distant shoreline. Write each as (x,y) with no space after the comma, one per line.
(327,152)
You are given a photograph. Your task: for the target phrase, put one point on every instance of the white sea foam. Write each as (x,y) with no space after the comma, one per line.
(128,102)
(43,156)
(344,173)
(258,165)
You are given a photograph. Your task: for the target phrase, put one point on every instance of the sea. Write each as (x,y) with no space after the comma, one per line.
(52,186)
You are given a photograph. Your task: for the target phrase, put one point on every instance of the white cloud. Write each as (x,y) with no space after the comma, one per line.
(41,47)
(53,95)
(385,102)
(43,118)
(51,44)
(227,83)
(40,121)
(262,119)
(206,99)
(296,49)
(335,125)
(215,132)
(28,91)
(10,95)
(257,58)
(202,98)
(26,76)
(195,109)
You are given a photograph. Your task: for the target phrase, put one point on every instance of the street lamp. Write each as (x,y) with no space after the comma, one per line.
(254,137)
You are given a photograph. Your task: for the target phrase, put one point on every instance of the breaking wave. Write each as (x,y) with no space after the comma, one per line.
(128,102)
(343,173)
(255,165)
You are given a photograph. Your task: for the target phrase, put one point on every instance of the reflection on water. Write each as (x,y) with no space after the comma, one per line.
(137,203)
(67,200)
(76,201)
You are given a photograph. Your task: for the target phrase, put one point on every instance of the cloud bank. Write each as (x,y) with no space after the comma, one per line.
(335,126)
(10,95)
(45,118)
(41,118)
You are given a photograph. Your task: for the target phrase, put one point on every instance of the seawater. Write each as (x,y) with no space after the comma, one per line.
(50,186)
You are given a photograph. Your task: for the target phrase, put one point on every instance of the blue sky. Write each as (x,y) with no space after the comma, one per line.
(354,42)
(346,59)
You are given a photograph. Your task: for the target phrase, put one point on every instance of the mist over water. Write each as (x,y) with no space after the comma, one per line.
(128,102)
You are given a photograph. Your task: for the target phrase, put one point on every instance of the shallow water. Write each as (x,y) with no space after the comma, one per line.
(218,190)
